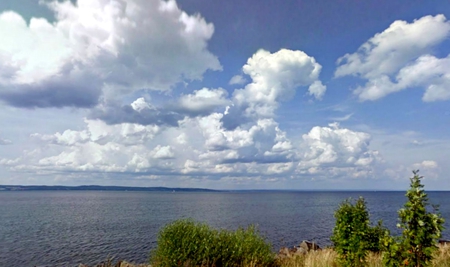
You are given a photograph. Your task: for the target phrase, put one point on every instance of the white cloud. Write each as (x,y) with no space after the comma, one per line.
(141,104)
(67,138)
(98,45)
(343,118)
(429,168)
(142,111)
(335,150)
(275,78)
(99,132)
(188,136)
(201,147)
(388,51)
(317,89)
(391,60)
(163,152)
(426,164)
(203,101)
(237,79)
(427,71)
(5,141)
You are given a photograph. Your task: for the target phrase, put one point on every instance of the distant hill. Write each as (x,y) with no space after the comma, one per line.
(97,188)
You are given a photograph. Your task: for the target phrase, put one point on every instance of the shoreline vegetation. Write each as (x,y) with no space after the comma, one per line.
(326,257)
(356,243)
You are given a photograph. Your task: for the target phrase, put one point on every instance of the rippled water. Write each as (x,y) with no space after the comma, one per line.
(66,228)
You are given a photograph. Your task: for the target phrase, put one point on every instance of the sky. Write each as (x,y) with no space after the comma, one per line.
(257,94)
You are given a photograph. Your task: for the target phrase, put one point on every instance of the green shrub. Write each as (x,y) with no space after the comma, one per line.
(353,236)
(421,230)
(188,243)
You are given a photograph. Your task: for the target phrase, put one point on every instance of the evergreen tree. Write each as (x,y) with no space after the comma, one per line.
(421,230)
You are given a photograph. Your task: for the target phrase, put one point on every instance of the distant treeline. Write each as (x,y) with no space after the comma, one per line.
(97,188)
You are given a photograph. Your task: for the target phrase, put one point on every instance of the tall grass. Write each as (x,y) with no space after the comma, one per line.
(324,258)
(328,258)
(189,243)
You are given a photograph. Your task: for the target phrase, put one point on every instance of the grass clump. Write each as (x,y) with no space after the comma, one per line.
(189,243)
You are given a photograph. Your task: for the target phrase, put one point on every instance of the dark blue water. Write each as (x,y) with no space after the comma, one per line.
(67,228)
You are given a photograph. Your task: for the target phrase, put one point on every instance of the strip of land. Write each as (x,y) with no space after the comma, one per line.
(98,188)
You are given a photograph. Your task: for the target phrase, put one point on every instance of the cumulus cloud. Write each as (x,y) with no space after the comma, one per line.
(203,101)
(429,168)
(200,147)
(427,72)
(391,60)
(99,147)
(5,141)
(141,111)
(426,164)
(98,47)
(333,150)
(317,89)
(275,77)
(237,79)
(207,133)
(163,152)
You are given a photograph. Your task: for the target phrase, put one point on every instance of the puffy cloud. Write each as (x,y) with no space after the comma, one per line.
(261,142)
(67,138)
(203,101)
(237,79)
(200,147)
(426,164)
(98,45)
(336,150)
(163,152)
(391,60)
(99,147)
(275,77)
(317,89)
(139,111)
(5,141)
(427,71)
(429,168)
(388,51)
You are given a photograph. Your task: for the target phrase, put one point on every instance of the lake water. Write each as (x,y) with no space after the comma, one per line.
(65,228)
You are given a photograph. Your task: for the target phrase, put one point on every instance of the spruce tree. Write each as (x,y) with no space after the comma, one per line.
(421,228)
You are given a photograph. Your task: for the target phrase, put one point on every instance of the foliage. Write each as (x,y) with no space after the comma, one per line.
(352,235)
(421,230)
(188,243)
(321,258)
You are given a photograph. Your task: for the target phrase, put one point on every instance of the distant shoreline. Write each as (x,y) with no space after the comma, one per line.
(172,189)
(99,188)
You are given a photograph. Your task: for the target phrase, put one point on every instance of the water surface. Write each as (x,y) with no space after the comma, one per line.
(65,228)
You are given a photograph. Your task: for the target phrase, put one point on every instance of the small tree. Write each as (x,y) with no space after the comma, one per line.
(353,236)
(421,230)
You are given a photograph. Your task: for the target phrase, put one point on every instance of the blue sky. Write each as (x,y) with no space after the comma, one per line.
(225,94)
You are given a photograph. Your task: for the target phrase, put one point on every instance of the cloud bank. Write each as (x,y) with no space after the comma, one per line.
(400,58)
(98,49)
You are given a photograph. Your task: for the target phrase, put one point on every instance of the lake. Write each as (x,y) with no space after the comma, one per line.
(65,228)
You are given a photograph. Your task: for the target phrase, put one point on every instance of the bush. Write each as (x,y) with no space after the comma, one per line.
(353,236)
(421,230)
(188,243)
